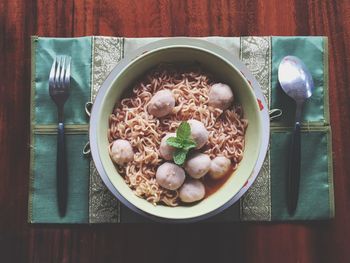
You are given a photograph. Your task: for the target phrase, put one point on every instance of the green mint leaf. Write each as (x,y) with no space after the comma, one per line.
(189,144)
(180,156)
(189,147)
(183,131)
(174,142)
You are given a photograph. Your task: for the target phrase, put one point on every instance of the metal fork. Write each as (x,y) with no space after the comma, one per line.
(59,83)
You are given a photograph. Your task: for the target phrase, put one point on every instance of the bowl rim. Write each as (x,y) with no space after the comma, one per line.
(179,42)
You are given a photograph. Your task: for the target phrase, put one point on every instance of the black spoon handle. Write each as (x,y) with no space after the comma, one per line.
(294,171)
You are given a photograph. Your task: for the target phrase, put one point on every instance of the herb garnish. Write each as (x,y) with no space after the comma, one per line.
(183,142)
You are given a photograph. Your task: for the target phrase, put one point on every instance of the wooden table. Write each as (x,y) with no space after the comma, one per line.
(301,242)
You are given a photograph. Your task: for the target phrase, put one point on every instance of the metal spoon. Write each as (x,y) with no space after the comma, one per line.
(296,81)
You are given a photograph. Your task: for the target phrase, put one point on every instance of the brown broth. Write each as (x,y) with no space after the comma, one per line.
(213,185)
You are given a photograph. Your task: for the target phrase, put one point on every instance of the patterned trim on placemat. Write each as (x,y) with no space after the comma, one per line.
(256,54)
(107,52)
(31,145)
(103,206)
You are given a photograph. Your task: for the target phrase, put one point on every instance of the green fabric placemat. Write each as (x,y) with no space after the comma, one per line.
(94,57)
(42,192)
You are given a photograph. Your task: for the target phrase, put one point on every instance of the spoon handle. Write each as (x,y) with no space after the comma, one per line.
(294,170)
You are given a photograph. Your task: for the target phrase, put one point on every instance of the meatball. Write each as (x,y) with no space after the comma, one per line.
(191,191)
(170,176)
(219,167)
(197,165)
(121,152)
(167,151)
(199,133)
(220,96)
(161,104)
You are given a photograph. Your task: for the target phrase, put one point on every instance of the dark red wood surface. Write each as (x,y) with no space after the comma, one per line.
(249,242)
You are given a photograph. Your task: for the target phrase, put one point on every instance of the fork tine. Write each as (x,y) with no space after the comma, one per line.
(63,70)
(52,72)
(67,76)
(58,70)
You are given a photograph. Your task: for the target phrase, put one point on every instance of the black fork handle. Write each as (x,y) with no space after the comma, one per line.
(61,169)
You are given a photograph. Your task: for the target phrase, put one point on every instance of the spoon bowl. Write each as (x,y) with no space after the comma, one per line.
(295,79)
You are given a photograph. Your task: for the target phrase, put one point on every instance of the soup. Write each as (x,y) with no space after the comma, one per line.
(177,135)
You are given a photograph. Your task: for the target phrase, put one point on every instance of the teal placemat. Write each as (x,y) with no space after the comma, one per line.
(42,193)
(93,59)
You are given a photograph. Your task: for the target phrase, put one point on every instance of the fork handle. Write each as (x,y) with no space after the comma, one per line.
(61,169)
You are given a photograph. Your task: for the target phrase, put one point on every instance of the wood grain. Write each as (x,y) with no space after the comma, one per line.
(298,242)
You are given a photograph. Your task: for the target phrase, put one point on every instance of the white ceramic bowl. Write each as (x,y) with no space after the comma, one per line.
(225,68)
